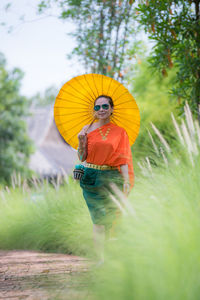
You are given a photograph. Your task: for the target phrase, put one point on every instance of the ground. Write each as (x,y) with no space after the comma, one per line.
(35,275)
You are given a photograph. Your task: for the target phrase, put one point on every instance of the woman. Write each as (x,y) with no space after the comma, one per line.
(106,149)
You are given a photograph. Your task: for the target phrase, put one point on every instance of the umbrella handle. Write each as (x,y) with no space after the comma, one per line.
(90,125)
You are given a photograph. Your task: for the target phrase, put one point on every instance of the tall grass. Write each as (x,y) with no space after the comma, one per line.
(45,218)
(157,254)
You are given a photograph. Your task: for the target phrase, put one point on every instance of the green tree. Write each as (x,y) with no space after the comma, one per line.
(155,104)
(174,26)
(103,31)
(14,144)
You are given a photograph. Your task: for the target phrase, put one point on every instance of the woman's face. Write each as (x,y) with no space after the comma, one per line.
(103,113)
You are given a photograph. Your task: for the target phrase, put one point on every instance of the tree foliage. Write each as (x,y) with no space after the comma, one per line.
(14,143)
(103,31)
(155,104)
(175,28)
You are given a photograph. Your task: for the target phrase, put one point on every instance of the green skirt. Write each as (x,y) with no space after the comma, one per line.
(96,190)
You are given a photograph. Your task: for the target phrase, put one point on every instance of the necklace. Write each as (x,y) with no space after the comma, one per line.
(104,136)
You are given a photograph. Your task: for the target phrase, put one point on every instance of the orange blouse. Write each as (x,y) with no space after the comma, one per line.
(115,150)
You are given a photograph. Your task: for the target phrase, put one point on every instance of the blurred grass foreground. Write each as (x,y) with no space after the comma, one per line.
(157,254)
(157,251)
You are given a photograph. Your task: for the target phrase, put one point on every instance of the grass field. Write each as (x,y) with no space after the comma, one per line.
(45,218)
(157,251)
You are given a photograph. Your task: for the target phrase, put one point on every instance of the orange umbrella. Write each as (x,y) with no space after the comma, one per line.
(74,105)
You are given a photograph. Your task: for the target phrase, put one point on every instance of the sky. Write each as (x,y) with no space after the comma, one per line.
(38,46)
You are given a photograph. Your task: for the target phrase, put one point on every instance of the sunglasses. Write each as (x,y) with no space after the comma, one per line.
(104,106)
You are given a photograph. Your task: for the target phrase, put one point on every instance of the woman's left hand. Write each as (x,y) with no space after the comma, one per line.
(125,175)
(126,188)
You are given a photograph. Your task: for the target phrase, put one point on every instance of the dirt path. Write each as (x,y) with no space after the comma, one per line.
(34,275)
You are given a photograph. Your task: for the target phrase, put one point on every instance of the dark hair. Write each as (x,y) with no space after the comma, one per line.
(107,97)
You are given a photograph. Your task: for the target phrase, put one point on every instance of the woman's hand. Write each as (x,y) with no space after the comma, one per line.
(82,148)
(126,188)
(126,185)
(82,136)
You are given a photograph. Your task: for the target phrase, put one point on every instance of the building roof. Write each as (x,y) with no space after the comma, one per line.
(53,154)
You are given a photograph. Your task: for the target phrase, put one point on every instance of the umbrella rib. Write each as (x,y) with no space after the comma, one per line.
(72,136)
(128,117)
(78,92)
(70,115)
(76,124)
(112,80)
(125,102)
(66,100)
(129,108)
(126,126)
(83,87)
(70,108)
(127,92)
(95,84)
(109,85)
(115,113)
(137,123)
(74,113)
(133,121)
(89,85)
(102,85)
(121,117)
(116,87)
(73,128)
(68,121)
(67,92)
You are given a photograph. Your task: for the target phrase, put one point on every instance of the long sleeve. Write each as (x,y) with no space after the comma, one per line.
(125,155)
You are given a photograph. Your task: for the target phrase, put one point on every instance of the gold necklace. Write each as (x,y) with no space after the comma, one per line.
(104,136)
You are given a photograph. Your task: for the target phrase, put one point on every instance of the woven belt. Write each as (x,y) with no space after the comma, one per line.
(98,167)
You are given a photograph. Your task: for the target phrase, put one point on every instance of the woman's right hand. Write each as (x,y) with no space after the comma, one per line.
(82,136)
(82,148)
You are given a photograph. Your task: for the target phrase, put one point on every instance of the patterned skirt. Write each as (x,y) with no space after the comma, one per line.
(96,192)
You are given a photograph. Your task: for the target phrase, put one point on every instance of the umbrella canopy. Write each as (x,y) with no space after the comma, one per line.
(74,106)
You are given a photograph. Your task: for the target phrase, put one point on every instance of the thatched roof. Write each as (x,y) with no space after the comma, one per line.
(52,153)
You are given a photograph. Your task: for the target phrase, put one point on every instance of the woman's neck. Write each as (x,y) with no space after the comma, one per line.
(102,122)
